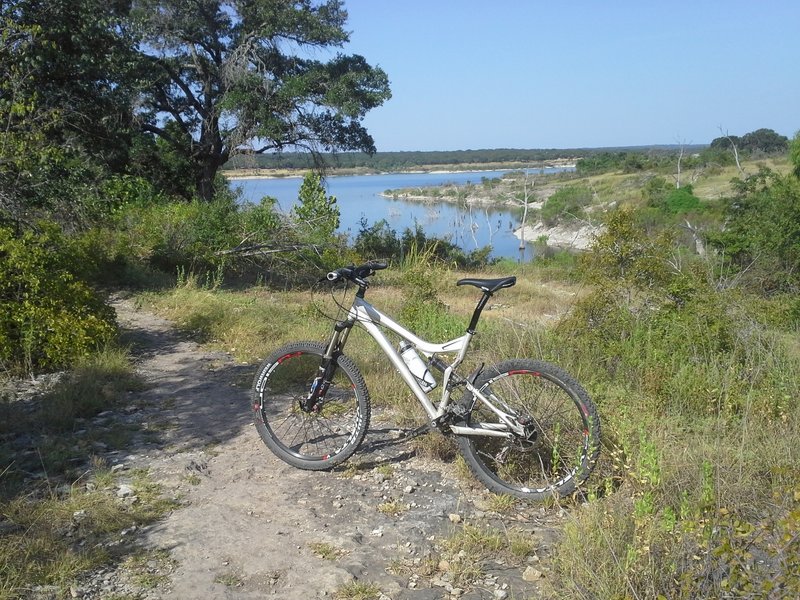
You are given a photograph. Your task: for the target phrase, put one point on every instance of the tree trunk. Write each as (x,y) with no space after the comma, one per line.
(205,182)
(209,160)
(211,151)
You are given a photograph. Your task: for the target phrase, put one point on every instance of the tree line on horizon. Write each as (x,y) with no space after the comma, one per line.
(721,150)
(398,160)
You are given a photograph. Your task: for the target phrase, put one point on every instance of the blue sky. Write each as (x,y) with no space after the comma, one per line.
(475,74)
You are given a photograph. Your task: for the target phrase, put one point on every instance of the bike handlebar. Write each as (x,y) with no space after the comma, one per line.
(357,274)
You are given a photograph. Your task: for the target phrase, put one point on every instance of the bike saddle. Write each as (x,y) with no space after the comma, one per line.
(489,285)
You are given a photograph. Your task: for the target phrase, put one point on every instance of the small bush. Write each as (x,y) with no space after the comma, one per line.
(357,590)
(566,204)
(381,242)
(677,201)
(48,317)
(761,239)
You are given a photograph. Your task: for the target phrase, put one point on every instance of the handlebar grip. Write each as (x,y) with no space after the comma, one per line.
(356,274)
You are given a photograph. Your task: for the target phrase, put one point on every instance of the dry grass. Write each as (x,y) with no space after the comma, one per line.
(464,552)
(252,323)
(326,551)
(717,184)
(55,525)
(393,508)
(530,302)
(358,590)
(40,547)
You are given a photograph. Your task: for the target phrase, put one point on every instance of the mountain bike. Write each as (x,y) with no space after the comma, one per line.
(525,427)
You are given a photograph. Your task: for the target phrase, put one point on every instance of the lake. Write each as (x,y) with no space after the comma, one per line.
(359,197)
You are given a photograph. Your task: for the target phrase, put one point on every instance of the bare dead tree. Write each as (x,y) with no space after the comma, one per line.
(527,192)
(727,136)
(697,237)
(678,176)
(492,230)
(696,173)
(473,225)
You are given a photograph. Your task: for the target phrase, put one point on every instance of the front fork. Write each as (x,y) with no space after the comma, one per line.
(327,368)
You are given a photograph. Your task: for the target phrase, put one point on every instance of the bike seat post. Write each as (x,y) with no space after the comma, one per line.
(488,287)
(473,324)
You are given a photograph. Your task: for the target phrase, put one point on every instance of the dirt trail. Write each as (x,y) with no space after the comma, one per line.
(248,522)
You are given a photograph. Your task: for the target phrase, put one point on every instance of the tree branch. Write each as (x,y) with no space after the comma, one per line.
(187,91)
(163,133)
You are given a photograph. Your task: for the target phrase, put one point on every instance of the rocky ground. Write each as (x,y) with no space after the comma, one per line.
(251,526)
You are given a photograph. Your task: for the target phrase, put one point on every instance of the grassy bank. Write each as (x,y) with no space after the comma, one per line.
(604,190)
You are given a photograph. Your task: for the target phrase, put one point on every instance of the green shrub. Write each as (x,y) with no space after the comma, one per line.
(180,234)
(698,476)
(380,241)
(377,241)
(48,317)
(259,222)
(625,253)
(682,200)
(194,237)
(566,204)
(761,240)
(422,311)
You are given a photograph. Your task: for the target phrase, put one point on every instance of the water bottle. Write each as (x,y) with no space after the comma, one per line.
(417,366)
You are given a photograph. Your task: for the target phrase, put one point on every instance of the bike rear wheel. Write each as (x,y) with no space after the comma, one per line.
(315,439)
(562,431)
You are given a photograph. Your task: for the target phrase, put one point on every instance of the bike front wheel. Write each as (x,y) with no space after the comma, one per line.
(318,438)
(560,442)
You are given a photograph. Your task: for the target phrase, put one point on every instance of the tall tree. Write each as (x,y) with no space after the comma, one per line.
(79,62)
(65,103)
(241,76)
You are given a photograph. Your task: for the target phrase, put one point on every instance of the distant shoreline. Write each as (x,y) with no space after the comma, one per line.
(241,174)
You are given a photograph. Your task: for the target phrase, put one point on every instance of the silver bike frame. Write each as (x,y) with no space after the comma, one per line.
(370,318)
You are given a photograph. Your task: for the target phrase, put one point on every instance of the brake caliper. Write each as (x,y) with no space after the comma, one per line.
(530,433)
(311,402)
